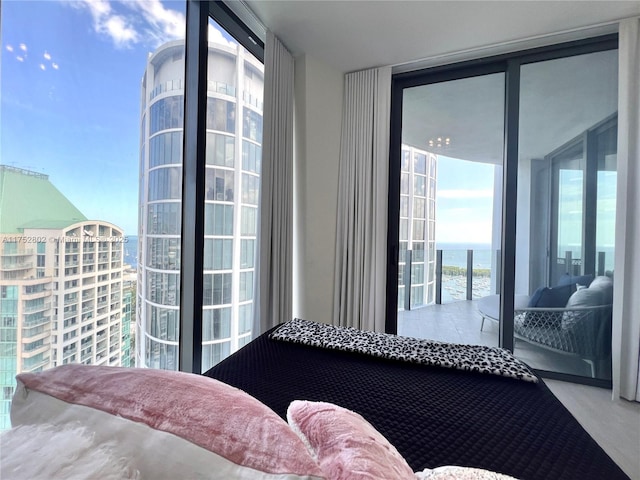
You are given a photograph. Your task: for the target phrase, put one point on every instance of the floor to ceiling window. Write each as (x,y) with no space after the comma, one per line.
(452,137)
(550,215)
(91,209)
(566,213)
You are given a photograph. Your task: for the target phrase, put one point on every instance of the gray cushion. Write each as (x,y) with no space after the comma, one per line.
(604,284)
(587,297)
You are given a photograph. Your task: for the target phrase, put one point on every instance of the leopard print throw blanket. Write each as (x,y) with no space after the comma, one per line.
(473,358)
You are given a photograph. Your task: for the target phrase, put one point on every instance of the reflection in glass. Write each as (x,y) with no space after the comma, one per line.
(566,214)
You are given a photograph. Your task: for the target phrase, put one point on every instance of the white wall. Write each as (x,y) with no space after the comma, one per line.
(318,114)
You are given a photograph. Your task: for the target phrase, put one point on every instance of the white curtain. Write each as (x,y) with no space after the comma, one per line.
(274,270)
(626,311)
(361,230)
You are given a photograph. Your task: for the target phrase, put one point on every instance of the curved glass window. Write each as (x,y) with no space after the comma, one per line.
(212,354)
(216,323)
(251,156)
(164,218)
(163,288)
(216,289)
(247,253)
(165,148)
(246,286)
(252,125)
(162,323)
(219,185)
(245,320)
(218,219)
(161,355)
(250,189)
(249,221)
(166,113)
(165,183)
(221,115)
(220,150)
(218,254)
(163,253)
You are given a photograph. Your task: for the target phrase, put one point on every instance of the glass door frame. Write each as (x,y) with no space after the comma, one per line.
(194,166)
(509,64)
(587,142)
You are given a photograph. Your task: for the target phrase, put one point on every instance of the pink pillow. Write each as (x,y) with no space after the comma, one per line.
(171,423)
(345,444)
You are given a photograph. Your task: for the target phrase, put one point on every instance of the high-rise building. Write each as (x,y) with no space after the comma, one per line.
(417,260)
(233,157)
(61,289)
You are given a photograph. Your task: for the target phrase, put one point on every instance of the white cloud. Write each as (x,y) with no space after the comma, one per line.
(120,31)
(127,23)
(163,24)
(216,36)
(464,194)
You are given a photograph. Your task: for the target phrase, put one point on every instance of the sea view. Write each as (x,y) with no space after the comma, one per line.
(131,251)
(454,287)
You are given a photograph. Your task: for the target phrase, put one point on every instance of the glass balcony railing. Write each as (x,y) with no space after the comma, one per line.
(449,277)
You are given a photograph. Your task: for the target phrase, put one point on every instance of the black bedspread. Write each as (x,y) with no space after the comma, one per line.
(433,416)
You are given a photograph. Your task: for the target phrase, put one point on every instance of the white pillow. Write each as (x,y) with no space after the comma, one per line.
(46,451)
(450,472)
(172,424)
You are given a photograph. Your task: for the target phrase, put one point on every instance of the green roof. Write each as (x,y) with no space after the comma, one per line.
(29,200)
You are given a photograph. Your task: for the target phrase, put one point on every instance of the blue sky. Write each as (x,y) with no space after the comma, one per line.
(70,95)
(464,201)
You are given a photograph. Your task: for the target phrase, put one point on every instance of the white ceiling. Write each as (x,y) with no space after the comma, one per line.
(353,35)
(558,100)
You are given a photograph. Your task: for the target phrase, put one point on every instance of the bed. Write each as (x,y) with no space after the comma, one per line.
(434,416)
(304,401)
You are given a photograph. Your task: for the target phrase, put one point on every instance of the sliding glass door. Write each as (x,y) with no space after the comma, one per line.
(450,191)
(514,160)
(566,213)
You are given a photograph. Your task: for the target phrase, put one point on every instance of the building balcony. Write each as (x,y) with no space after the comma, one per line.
(15,266)
(28,366)
(36,295)
(36,321)
(20,253)
(40,307)
(71,300)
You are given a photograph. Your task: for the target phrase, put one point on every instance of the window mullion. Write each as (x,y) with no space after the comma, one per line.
(193,187)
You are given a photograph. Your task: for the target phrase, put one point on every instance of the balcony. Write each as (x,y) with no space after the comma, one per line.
(14,266)
(453,315)
(22,253)
(40,307)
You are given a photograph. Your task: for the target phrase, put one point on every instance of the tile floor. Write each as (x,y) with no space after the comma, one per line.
(459,322)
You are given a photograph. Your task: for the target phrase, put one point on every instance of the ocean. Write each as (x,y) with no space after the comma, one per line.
(131,251)
(454,288)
